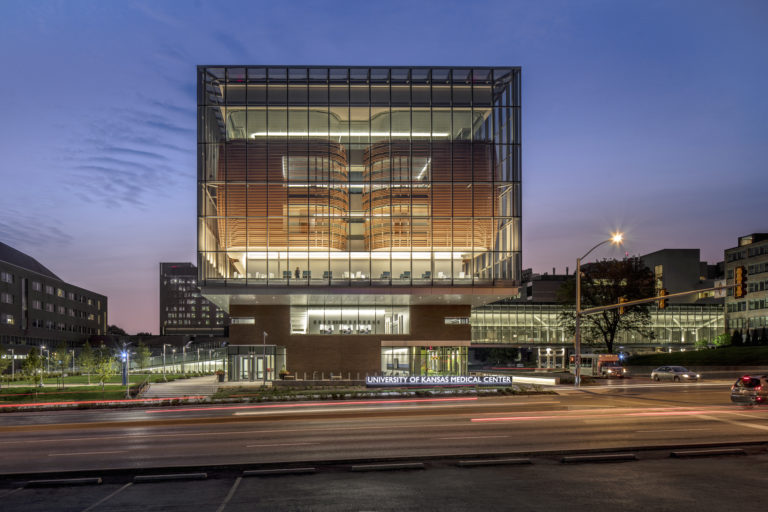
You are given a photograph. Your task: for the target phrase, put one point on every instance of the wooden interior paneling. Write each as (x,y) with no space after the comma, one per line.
(283,211)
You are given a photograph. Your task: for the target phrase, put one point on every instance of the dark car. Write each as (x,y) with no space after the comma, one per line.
(674,373)
(750,389)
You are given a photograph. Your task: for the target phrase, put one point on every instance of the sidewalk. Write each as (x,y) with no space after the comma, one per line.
(196,386)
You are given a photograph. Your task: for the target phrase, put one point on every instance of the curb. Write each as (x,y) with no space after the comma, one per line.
(141,479)
(493,462)
(607,457)
(64,481)
(707,453)
(282,471)
(389,467)
(419,461)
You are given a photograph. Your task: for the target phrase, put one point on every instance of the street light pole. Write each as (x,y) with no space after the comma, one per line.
(615,239)
(264,353)
(13,364)
(164,377)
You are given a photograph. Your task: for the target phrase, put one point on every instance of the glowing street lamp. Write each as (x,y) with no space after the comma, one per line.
(616,239)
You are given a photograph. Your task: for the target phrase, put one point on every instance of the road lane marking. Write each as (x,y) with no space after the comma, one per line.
(229,494)
(737,423)
(277,444)
(674,430)
(108,497)
(12,491)
(379,403)
(129,436)
(376,408)
(472,437)
(84,453)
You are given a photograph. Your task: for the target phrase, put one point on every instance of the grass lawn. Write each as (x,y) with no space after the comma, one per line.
(725,356)
(76,389)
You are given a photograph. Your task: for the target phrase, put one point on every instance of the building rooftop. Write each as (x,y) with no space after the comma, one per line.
(10,255)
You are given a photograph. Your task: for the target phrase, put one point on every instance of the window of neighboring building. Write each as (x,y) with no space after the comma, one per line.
(36,304)
(249,321)
(49,307)
(49,289)
(6,277)
(59,292)
(61,310)
(6,319)
(36,286)
(6,298)
(71,296)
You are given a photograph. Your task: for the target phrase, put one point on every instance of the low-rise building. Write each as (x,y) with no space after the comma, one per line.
(748,313)
(38,308)
(183,309)
(681,270)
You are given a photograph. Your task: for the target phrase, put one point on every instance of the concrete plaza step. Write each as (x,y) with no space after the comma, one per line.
(196,386)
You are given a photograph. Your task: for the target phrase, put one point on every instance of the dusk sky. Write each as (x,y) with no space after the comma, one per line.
(645,116)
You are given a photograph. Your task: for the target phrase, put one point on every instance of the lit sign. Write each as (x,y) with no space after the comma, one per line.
(448,380)
(456,320)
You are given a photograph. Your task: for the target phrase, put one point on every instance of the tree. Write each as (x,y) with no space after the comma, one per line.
(748,338)
(602,284)
(736,339)
(5,362)
(115,331)
(33,365)
(763,338)
(144,334)
(87,360)
(106,366)
(722,340)
(142,355)
(61,359)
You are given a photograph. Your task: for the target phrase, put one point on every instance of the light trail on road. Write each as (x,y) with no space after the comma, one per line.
(334,430)
(313,404)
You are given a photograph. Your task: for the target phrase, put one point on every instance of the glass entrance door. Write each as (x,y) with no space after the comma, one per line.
(259,368)
(246,368)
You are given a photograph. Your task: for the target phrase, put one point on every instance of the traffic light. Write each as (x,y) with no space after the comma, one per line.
(662,302)
(622,309)
(741,282)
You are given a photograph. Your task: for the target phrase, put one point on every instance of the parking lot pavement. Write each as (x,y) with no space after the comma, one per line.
(547,483)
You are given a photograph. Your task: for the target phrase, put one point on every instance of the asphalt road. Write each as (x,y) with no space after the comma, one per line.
(624,415)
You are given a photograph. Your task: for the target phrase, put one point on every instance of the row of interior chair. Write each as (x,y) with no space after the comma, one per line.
(307,274)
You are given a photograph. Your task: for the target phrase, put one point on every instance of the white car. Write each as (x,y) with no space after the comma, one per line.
(675,374)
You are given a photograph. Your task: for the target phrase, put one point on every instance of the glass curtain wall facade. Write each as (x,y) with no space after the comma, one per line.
(539,324)
(358,176)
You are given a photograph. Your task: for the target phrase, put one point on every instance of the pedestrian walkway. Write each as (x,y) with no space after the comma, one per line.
(196,386)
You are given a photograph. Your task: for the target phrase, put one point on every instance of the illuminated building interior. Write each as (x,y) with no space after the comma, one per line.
(399,179)
(332,201)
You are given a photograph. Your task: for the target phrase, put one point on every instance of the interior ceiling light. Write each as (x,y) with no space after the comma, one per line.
(255,135)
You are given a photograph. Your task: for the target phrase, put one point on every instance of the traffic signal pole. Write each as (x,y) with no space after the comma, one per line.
(598,309)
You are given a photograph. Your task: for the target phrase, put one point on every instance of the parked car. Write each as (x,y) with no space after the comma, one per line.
(674,373)
(750,389)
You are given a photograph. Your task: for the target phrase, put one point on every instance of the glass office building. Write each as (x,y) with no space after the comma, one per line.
(350,194)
